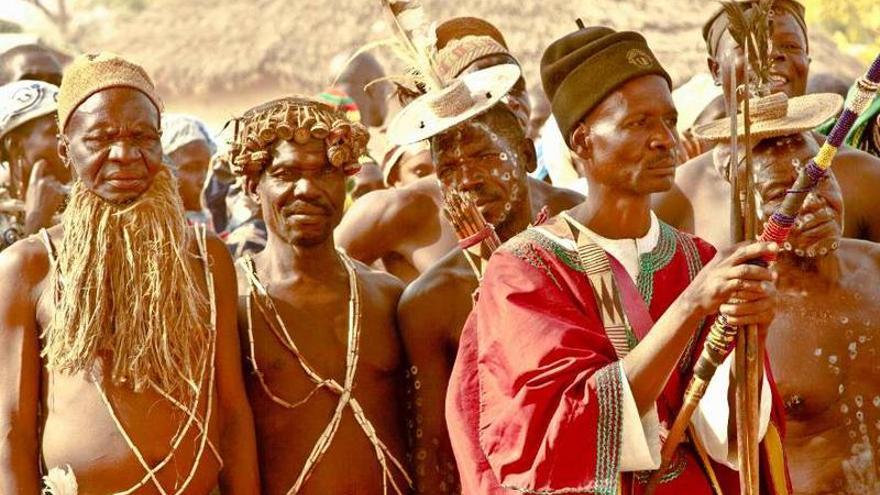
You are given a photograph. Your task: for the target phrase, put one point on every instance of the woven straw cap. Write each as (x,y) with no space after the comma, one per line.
(776,115)
(90,73)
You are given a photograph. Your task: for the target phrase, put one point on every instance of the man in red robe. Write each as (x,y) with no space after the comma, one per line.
(573,364)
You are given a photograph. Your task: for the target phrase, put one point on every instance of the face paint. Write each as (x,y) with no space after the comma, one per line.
(474,158)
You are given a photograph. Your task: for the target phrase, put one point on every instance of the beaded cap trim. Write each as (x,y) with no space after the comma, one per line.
(298,119)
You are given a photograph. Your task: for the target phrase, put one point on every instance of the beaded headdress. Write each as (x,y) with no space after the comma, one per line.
(298,119)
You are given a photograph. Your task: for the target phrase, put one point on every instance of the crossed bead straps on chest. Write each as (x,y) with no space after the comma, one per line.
(259,295)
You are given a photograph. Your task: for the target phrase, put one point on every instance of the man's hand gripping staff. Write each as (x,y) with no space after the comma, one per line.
(776,229)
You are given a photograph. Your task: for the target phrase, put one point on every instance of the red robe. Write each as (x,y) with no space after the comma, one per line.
(534,401)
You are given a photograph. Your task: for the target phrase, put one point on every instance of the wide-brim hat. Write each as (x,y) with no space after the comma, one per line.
(776,115)
(466,97)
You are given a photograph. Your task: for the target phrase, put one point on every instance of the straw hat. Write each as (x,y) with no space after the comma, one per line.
(467,96)
(776,115)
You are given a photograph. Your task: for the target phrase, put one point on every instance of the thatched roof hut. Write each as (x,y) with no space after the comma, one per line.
(203,50)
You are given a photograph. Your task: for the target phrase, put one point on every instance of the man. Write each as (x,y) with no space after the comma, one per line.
(701,196)
(29,62)
(189,147)
(487,157)
(311,318)
(36,180)
(120,368)
(404,227)
(368,179)
(354,94)
(406,164)
(550,393)
(823,344)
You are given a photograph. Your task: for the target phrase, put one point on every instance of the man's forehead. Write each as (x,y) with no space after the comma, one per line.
(470,132)
(646,94)
(292,154)
(125,104)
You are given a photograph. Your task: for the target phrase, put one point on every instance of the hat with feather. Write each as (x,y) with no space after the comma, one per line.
(448,97)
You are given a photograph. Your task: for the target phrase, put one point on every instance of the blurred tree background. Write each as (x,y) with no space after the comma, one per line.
(853,24)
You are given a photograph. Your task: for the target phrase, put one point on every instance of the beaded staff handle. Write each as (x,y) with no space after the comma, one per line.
(722,335)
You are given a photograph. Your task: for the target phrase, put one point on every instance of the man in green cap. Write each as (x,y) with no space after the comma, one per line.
(572,365)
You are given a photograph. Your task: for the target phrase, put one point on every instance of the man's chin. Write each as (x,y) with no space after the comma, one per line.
(308,239)
(122,195)
(656,184)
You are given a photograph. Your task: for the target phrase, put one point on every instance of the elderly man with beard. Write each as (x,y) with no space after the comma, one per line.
(573,362)
(404,227)
(701,195)
(120,367)
(325,356)
(824,341)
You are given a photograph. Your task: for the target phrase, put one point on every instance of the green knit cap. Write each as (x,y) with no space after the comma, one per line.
(580,69)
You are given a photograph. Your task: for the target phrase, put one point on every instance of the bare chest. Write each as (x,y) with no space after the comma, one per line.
(297,340)
(824,349)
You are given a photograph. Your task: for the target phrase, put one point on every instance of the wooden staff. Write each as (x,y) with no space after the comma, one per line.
(749,359)
(776,229)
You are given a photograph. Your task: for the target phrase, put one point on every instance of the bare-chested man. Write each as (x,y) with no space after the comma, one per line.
(701,196)
(319,328)
(120,367)
(404,227)
(824,341)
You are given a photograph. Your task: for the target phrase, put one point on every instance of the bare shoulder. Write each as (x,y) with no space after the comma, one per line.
(694,172)
(392,206)
(378,282)
(24,265)
(557,199)
(860,258)
(851,161)
(675,205)
(433,299)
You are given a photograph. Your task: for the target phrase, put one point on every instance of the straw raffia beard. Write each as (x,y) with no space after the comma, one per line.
(129,293)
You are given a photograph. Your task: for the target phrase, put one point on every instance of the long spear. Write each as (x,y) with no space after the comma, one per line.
(776,229)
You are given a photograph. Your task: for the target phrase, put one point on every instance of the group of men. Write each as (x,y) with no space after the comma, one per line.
(382,345)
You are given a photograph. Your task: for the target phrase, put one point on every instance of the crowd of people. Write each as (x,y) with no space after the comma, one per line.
(436,283)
